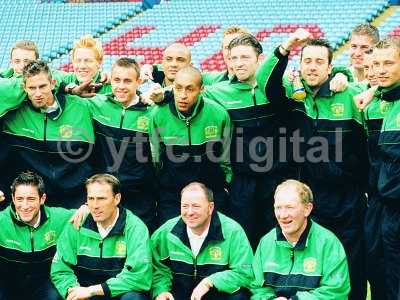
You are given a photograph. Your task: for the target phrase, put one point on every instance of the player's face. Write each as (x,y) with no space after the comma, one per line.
(20,58)
(174,59)
(196,211)
(27,203)
(244,62)
(386,65)
(291,213)
(39,89)
(314,65)
(187,89)
(359,44)
(85,64)
(124,82)
(102,203)
(369,70)
(225,43)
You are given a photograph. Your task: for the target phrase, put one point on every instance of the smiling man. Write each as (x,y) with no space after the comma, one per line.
(29,231)
(109,256)
(202,254)
(122,145)
(386,65)
(329,146)
(256,162)
(190,137)
(51,134)
(363,38)
(299,259)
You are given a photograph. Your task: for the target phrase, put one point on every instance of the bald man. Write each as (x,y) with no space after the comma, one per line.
(190,137)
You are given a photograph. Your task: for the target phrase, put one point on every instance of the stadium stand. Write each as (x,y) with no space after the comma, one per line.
(200,25)
(55,26)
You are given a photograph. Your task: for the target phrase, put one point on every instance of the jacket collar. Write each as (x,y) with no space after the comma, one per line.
(19,222)
(196,110)
(137,106)
(118,228)
(324,89)
(302,242)
(214,232)
(389,94)
(238,84)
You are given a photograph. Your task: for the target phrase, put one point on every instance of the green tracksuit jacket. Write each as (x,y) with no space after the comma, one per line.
(55,145)
(389,143)
(225,258)
(25,250)
(194,140)
(116,128)
(314,269)
(121,262)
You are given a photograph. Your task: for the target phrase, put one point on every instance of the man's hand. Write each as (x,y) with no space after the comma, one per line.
(296,39)
(79,215)
(146,72)
(105,78)
(79,293)
(363,99)
(85,89)
(155,95)
(201,289)
(165,296)
(2,197)
(339,83)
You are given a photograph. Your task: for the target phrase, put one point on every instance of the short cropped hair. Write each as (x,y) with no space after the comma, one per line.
(197,186)
(367,30)
(25,45)
(304,192)
(109,179)
(88,42)
(126,62)
(246,40)
(389,42)
(235,30)
(319,43)
(34,68)
(29,178)
(192,70)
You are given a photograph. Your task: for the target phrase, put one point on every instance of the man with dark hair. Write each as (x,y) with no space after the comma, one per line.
(363,37)
(202,254)
(254,152)
(329,146)
(22,52)
(28,235)
(109,257)
(190,137)
(51,134)
(299,259)
(122,145)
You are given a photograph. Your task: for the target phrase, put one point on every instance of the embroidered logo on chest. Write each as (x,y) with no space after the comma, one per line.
(50,237)
(120,248)
(337,109)
(211,132)
(215,253)
(142,123)
(310,264)
(66,131)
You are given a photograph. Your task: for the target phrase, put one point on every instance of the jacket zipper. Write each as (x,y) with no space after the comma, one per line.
(31,238)
(45,128)
(101,249)
(253,94)
(122,118)
(195,268)
(189,135)
(292,259)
